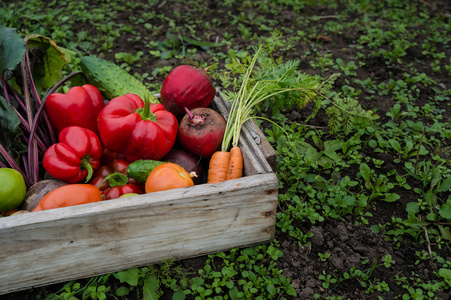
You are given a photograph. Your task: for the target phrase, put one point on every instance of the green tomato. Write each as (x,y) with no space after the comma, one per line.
(12,189)
(128,195)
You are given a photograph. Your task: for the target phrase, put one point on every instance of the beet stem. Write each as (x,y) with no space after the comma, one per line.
(192,62)
(195,119)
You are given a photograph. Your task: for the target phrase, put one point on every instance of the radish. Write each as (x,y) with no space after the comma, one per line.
(201,131)
(188,161)
(186,86)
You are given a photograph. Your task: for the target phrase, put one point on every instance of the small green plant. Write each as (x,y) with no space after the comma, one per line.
(256,278)
(302,238)
(431,209)
(323,256)
(346,115)
(323,61)
(327,280)
(348,69)
(395,112)
(379,186)
(129,58)
(95,288)
(445,273)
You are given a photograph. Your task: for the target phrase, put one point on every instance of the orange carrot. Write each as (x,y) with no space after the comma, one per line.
(230,163)
(235,168)
(225,165)
(217,169)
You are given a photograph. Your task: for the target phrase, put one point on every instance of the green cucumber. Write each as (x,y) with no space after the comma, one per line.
(111,80)
(141,168)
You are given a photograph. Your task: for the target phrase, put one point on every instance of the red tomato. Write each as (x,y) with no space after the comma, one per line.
(113,181)
(108,156)
(117,191)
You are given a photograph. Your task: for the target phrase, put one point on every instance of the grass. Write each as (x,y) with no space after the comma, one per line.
(325,171)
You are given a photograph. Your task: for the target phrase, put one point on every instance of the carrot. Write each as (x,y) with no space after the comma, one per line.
(235,167)
(249,95)
(218,167)
(225,165)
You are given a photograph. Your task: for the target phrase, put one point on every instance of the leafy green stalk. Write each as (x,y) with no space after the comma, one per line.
(237,111)
(272,80)
(25,130)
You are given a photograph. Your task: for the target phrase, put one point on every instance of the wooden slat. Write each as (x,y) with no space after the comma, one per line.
(74,242)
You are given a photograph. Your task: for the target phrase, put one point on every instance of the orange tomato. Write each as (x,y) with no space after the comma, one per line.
(167,176)
(69,195)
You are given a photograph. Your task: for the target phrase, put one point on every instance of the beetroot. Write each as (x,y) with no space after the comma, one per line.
(188,161)
(186,86)
(201,131)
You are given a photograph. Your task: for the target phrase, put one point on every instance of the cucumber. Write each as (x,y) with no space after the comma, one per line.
(111,80)
(141,168)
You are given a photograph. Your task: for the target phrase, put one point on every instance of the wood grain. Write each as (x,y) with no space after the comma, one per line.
(70,243)
(74,242)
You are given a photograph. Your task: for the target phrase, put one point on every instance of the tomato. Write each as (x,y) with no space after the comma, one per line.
(120,165)
(119,190)
(128,195)
(69,195)
(113,181)
(168,176)
(108,156)
(12,189)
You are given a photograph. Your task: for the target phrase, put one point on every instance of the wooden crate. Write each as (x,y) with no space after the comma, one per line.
(48,247)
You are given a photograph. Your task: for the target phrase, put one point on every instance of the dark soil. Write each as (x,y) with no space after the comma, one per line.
(347,242)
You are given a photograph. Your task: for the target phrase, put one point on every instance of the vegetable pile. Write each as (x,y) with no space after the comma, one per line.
(98,134)
(105,136)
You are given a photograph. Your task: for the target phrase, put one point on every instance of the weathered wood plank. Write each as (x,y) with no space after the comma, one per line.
(257,137)
(75,242)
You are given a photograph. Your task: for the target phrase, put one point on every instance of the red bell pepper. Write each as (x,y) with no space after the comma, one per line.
(113,181)
(80,106)
(138,129)
(75,157)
